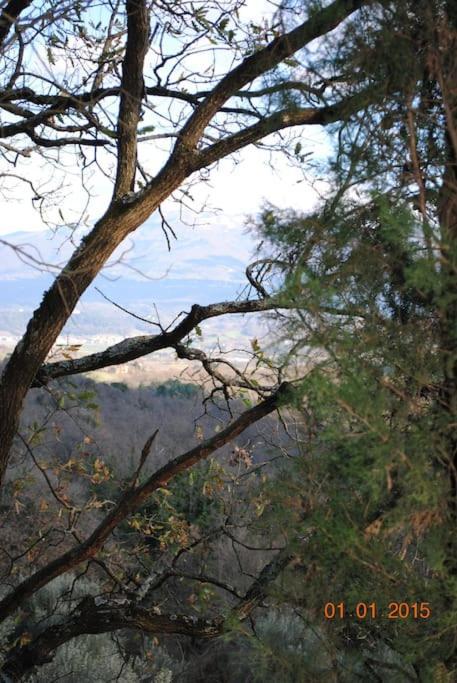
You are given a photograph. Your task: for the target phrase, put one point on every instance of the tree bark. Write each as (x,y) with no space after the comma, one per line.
(102,616)
(125,215)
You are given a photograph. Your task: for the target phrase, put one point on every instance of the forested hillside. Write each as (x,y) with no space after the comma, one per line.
(200,541)
(43,497)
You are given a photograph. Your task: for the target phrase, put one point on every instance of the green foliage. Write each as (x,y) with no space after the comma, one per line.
(369,488)
(372,328)
(175,388)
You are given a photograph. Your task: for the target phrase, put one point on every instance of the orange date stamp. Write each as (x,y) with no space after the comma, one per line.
(370,610)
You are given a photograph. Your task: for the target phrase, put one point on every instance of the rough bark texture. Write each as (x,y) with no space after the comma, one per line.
(136,347)
(102,616)
(132,91)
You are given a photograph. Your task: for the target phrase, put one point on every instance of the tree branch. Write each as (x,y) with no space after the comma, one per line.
(132,93)
(136,347)
(102,616)
(134,498)
(210,365)
(93,618)
(320,23)
(284,119)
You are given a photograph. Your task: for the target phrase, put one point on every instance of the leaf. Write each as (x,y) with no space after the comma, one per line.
(164,491)
(25,639)
(50,56)
(207,488)
(255,345)
(86,395)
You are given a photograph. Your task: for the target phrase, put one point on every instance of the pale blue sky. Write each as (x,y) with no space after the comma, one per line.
(233,191)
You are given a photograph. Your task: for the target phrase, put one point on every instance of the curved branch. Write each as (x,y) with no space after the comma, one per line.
(136,347)
(318,24)
(93,618)
(286,118)
(210,365)
(100,616)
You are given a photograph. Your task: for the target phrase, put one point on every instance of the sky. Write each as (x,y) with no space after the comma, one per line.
(206,262)
(233,192)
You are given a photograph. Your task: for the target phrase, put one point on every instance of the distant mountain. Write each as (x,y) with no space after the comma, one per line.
(218,253)
(171,293)
(204,265)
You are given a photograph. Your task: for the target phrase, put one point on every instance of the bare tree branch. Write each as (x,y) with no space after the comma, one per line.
(262,61)
(136,347)
(132,92)
(134,498)
(279,121)
(96,615)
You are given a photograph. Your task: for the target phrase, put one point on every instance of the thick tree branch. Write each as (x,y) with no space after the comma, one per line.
(132,92)
(102,616)
(284,119)
(135,498)
(258,591)
(264,60)
(136,347)
(9,15)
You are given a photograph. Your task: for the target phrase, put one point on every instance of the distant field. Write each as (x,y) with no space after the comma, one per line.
(143,371)
(157,368)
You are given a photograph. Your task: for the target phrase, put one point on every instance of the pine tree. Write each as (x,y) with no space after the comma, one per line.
(371,274)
